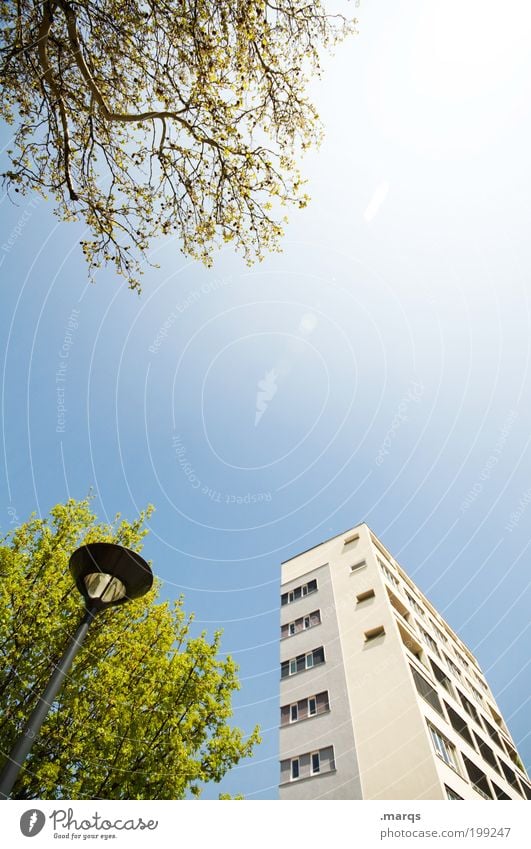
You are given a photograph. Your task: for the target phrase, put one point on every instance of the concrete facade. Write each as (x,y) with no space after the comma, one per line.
(379,697)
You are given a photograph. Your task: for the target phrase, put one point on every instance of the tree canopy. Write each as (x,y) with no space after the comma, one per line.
(149,117)
(144,712)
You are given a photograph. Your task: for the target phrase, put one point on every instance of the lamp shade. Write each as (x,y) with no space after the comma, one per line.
(106,574)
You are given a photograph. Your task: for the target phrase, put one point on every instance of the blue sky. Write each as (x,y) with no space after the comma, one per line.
(254,407)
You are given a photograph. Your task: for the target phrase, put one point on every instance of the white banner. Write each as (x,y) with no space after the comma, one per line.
(196,824)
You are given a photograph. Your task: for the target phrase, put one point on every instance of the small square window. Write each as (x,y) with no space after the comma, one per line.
(374,633)
(316,763)
(364,596)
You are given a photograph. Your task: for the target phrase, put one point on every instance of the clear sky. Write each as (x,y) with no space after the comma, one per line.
(377,370)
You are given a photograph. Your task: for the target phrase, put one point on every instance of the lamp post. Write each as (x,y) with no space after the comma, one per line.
(106,574)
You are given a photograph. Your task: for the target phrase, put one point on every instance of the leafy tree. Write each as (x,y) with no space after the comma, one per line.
(144,712)
(147,117)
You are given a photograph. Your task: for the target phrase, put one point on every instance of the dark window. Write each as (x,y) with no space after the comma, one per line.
(451,794)
(469,707)
(426,690)
(478,778)
(284,669)
(294,713)
(510,776)
(298,592)
(284,715)
(499,793)
(318,656)
(493,734)
(374,633)
(295,768)
(441,677)
(458,723)
(526,788)
(312,706)
(316,763)
(364,596)
(487,752)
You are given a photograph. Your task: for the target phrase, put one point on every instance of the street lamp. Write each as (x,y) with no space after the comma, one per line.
(106,574)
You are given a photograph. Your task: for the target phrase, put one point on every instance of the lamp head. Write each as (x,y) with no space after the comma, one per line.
(108,574)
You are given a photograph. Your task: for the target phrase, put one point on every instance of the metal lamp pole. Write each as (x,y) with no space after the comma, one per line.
(106,574)
(22,747)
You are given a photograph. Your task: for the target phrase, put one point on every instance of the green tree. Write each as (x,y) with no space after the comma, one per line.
(144,713)
(149,117)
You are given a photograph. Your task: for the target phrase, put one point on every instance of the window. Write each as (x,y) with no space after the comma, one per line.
(475,693)
(428,639)
(469,707)
(301,662)
(498,792)
(305,708)
(302,624)
(297,593)
(493,734)
(425,690)
(438,631)
(451,794)
(397,605)
(453,667)
(526,788)
(513,754)
(459,724)
(388,574)
(510,776)
(364,596)
(374,633)
(411,644)
(316,763)
(443,747)
(486,751)
(496,717)
(295,769)
(318,656)
(357,566)
(460,658)
(350,542)
(477,778)
(441,677)
(415,605)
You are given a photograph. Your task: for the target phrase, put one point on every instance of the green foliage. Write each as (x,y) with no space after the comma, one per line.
(144,712)
(145,118)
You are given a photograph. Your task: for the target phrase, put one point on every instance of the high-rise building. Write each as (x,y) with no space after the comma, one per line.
(380,699)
